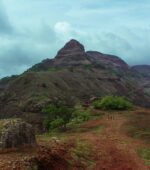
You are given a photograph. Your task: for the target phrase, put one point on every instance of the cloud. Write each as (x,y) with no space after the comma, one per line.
(5,26)
(23,49)
(33,30)
(63,28)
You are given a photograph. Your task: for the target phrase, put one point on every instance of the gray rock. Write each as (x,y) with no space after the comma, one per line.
(17,133)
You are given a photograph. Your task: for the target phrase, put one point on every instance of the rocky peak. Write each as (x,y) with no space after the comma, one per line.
(73,47)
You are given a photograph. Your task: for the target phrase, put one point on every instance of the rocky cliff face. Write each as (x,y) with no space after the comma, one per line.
(72,74)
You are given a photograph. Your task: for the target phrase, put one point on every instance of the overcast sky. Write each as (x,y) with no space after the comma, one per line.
(32,30)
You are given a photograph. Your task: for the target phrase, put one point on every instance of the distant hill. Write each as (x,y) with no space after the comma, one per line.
(143,69)
(73,74)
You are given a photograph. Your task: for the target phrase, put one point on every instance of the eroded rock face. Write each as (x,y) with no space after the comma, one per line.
(17,133)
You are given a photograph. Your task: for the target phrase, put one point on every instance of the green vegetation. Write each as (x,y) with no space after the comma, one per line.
(34,102)
(58,116)
(54,69)
(88,66)
(82,153)
(112,103)
(144,153)
(62,117)
(138,125)
(80,116)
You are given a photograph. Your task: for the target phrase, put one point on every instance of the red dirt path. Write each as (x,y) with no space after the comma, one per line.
(114,149)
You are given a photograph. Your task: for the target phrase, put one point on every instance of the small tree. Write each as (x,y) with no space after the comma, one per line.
(58,116)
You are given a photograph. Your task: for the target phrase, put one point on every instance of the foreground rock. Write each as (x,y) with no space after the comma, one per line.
(17,133)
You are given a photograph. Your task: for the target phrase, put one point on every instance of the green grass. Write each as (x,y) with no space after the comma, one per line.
(54,69)
(82,153)
(138,125)
(144,153)
(73,130)
(47,136)
(88,66)
(79,129)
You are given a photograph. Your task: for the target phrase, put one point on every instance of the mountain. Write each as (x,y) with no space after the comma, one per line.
(73,54)
(143,69)
(72,75)
(144,72)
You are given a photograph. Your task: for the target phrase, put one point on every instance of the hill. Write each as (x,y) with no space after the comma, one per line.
(73,75)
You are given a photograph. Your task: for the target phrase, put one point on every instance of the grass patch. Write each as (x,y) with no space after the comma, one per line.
(138,125)
(76,125)
(144,153)
(88,66)
(54,69)
(82,154)
(47,136)
(80,129)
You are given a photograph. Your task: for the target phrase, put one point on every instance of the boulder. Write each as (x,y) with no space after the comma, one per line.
(17,133)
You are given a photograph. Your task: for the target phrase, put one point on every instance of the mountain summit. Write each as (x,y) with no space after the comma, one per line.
(73,54)
(73,47)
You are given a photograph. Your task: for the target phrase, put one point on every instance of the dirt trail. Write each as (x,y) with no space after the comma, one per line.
(114,149)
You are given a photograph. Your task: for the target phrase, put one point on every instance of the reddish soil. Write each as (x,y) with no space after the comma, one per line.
(113,150)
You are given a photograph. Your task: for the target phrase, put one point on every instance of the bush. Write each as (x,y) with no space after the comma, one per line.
(112,103)
(56,123)
(81,116)
(58,116)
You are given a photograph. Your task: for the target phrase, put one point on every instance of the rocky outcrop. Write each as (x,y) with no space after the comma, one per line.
(72,54)
(71,48)
(17,133)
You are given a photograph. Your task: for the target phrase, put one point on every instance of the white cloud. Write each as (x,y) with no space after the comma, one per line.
(63,28)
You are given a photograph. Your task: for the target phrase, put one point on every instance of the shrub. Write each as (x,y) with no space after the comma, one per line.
(58,116)
(81,116)
(112,103)
(57,123)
